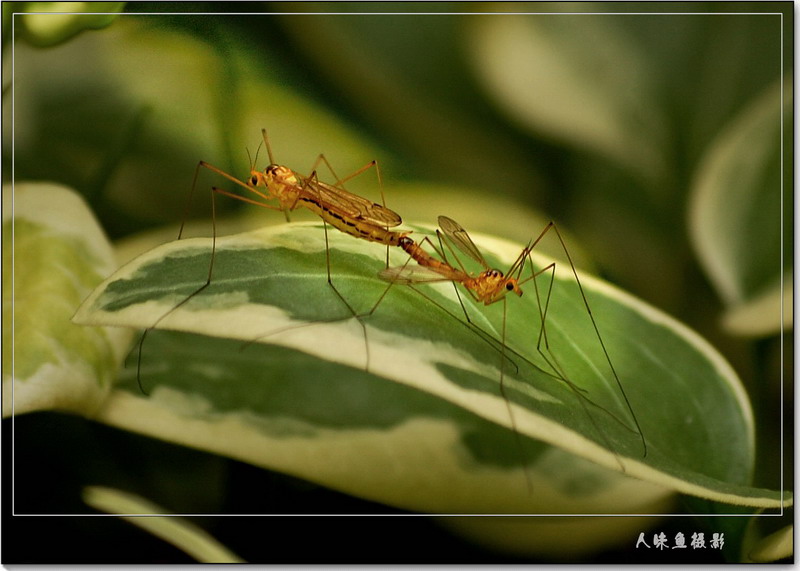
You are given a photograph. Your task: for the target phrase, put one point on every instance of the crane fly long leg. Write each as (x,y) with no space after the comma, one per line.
(220,172)
(491,286)
(250,188)
(241,198)
(335,197)
(456,234)
(389,221)
(288,190)
(543,332)
(214,191)
(460,238)
(352,311)
(440,270)
(190,296)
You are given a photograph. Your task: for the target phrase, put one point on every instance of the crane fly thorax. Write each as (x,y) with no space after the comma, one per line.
(492,285)
(280,181)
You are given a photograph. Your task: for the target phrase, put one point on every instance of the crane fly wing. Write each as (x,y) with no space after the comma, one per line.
(456,233)
(348,204)
(409,275)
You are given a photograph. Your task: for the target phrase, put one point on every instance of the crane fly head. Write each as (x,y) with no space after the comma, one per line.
(513,285)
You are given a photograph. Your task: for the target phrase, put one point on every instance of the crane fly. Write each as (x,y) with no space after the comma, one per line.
(345,211)
(278,187)
(492,285)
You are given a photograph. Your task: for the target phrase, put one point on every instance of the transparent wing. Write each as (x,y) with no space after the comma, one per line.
(411,274)
(456,233)
(348,204)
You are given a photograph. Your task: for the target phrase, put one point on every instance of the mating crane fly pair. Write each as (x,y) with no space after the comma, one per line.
(362,218)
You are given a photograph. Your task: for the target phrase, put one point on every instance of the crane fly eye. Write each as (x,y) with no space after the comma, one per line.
(509,286)
(254,180)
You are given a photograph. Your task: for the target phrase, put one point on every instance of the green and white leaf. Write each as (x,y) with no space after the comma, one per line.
(54,253)
(740,215)
(407,410)
(764,314)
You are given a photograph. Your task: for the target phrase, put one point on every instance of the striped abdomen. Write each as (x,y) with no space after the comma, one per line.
(352,226)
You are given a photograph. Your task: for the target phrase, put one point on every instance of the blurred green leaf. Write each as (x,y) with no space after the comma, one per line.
(480,212)
(779,545)
(136,132)
(407,78)
(547,73)
(46,24)
(764,314)
(54,253)
(740,211)
(269,287)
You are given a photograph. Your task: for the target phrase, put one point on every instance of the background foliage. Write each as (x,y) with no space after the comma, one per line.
(653,139)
